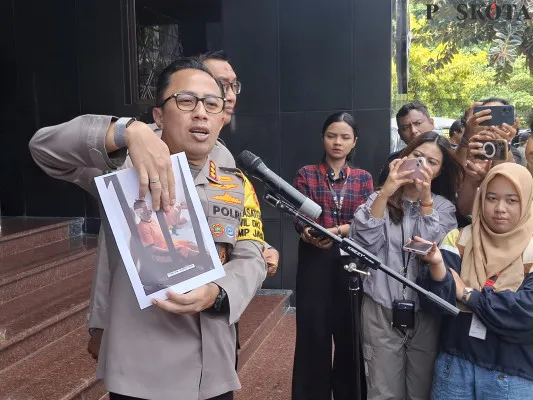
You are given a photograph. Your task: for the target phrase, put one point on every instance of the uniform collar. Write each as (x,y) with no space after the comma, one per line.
(202,177)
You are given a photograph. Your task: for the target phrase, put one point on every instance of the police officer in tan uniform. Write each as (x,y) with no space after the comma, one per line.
(218,64)
(183,347)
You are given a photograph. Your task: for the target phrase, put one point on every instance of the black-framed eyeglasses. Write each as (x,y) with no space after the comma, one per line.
(235,86)
(188,102)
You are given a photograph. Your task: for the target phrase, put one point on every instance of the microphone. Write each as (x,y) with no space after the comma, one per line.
(254,166)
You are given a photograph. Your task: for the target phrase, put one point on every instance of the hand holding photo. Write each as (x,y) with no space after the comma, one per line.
(165,250)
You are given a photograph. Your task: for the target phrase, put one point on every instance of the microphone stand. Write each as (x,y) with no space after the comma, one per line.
(363,259)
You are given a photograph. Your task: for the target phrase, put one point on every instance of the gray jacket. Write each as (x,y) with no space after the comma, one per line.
(383,238)
(151,353)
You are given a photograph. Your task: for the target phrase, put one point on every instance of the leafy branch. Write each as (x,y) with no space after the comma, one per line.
(507,38)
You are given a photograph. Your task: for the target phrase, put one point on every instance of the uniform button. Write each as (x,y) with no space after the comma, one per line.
(447,367)
(501,377)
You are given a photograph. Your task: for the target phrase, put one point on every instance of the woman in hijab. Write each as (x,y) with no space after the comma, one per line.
(487,268)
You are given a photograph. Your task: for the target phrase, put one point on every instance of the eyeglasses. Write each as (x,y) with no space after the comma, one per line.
(235,86)
(188,102)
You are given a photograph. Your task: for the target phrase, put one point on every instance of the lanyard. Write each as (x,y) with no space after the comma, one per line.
(338,200)
(492,280)
(405,264)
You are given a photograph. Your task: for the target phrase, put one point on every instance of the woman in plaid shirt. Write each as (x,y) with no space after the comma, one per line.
(323,300)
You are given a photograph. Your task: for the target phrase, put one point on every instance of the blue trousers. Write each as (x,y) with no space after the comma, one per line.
(459,379)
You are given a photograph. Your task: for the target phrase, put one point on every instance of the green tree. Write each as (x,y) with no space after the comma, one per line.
(508,39)
(467,76)
(518,89)
(450,89)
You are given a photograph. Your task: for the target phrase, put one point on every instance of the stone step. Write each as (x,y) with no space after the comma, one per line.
(268,373)
(62,370)
(18,234)
(32,269)
(260,317)
(36,319)
(96,391)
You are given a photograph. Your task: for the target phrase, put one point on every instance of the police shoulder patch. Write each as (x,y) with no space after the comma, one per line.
(251,227)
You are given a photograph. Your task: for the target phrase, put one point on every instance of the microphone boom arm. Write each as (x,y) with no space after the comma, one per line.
(349,246)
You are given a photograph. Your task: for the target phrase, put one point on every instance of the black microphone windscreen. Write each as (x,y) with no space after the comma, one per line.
(246,160)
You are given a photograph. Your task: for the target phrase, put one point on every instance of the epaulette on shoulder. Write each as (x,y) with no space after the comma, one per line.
(231,170)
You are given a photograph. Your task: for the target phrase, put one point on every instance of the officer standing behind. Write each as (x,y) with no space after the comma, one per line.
(184,347)
(218,63)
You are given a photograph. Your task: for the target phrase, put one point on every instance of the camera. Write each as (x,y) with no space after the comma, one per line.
(494,149)
(403,314)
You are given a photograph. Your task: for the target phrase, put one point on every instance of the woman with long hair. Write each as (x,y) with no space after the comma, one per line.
(399,359)
(486,270)
(322,297)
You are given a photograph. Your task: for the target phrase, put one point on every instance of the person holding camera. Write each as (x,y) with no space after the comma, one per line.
(486,269)
(479,118)
(482,147)
(322,296)
(400,339)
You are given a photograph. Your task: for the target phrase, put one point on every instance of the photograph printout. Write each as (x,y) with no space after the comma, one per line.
(161,250)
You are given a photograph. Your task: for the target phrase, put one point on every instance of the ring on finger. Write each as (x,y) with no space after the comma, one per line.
(154,180)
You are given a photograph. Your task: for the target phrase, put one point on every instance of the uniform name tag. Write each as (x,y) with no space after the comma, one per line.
(477,329)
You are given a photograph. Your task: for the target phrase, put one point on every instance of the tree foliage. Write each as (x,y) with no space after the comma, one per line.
(449,84)
(508,38)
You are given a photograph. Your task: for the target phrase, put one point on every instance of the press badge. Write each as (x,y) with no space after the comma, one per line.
(477,329)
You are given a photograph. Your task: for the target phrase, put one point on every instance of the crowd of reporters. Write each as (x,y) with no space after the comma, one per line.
(473,211)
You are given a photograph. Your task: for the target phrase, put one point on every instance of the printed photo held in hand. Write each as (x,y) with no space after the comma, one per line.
(164,250)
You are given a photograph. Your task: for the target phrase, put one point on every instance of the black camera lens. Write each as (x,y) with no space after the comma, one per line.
(489,149)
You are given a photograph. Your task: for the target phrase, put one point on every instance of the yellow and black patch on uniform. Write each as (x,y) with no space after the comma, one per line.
(212,170)
(251,227)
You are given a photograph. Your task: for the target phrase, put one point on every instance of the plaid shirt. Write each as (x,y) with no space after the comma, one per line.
(312,183)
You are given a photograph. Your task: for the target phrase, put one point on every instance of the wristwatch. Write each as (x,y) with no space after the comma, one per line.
(466,292)
(218,306)
(120,131)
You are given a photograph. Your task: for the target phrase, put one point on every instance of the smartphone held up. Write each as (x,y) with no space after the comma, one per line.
(499,115)
(415,164)
(417,247)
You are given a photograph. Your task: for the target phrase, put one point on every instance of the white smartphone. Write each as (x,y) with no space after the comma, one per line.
(418,247)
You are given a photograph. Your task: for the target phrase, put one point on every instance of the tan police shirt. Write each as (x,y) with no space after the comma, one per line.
(150,353)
